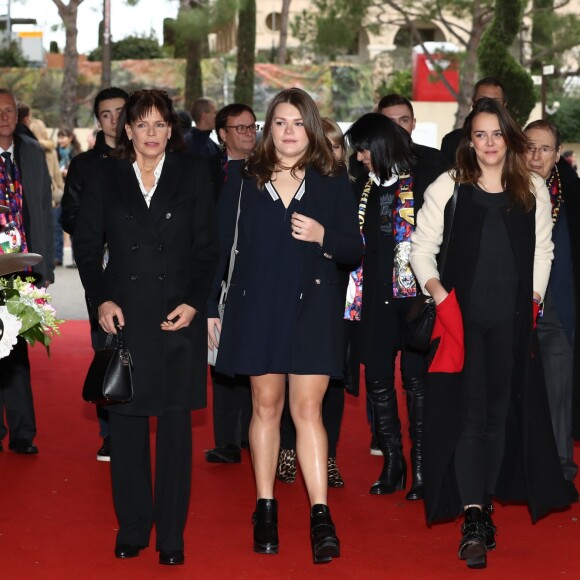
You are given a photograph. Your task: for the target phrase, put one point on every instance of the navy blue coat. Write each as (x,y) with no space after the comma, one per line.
(328,200)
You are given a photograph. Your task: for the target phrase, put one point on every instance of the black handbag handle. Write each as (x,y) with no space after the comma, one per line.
(118,338)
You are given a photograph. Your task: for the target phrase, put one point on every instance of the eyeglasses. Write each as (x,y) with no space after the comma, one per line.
(543,150)
(241,129)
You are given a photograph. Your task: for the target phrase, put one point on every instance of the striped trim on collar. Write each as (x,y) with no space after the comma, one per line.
(274,194)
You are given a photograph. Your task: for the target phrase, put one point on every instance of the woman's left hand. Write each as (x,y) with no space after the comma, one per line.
(307,229)
(180,317)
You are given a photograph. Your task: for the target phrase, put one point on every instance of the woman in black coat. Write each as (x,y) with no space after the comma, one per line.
(390,193)
(296,226)
(487,421)
(153,208)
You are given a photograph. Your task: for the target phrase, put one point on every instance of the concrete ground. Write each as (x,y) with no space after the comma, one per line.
(68,296)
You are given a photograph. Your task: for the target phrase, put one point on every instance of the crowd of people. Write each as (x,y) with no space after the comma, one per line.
(295,254)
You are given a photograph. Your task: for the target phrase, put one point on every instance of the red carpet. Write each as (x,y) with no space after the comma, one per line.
(57,519)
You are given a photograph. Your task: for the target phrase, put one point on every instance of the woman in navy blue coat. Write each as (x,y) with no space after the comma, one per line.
(297,238)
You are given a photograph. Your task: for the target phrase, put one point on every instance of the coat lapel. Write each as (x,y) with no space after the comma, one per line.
(170,176)
(130,194)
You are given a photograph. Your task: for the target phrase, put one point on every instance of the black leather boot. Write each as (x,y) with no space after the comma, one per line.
(489,527)
(415,390)
(325,544)
(265,520)
(388,432)
(472,547)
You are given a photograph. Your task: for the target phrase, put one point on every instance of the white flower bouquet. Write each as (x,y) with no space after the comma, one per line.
(31,308)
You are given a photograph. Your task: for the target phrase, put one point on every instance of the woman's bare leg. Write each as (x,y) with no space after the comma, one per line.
(306,394)
(267,405)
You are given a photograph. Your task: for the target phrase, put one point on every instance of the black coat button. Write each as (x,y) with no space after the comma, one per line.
(168,215)
(160,248)
(128,216)
(134,277)
(134,247)
(161,277)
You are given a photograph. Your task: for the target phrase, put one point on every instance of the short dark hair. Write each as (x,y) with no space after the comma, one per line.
(23,112)
(392,100)
(489,82)
(185,120)
(390,146)
(200,106)
(568,153)
(139,105)
(547,126)
(232,110)
(106,94)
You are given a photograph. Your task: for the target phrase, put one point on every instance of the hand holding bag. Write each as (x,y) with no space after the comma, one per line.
(109,379)
(421,316)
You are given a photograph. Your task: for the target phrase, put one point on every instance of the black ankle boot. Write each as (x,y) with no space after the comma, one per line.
(325,544)
(489,527)
(415,390)
(265,520)
(472,547)
(388,432)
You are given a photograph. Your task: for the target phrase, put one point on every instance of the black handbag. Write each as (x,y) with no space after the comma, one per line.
(109,379)
(421,316)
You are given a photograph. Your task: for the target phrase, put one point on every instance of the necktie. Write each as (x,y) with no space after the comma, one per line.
(9,165)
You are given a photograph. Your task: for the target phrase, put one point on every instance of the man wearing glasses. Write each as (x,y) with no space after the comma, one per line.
(558,326)
(232,404)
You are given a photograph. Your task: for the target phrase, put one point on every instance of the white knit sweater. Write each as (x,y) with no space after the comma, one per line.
(428,234)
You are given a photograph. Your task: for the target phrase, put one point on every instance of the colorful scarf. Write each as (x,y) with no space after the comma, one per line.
(555,188)
(12,223)
(403,215)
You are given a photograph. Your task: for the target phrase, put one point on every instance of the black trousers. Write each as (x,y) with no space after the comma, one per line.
(16,394)
(332,411)
(232,409)
(137,506)
(488,370)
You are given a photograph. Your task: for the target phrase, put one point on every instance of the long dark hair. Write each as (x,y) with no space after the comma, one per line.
(390,146)
(139,105)
(516,176)
(264,161)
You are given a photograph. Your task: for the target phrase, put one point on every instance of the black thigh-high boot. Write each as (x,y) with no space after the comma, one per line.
(415,390)
(387,427)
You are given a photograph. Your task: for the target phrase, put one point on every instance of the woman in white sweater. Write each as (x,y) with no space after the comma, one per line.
(486,426)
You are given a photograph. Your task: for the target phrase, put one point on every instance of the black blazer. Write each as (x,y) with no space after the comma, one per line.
(159,257)
(329,200)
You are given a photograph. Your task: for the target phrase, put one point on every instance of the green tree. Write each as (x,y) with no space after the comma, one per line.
(11,56)
(495,59)
(132,47)
(567,119)
(244,82)
(195,20)
(333,28)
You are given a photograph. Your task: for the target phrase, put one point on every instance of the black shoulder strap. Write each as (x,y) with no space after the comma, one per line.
(447,236)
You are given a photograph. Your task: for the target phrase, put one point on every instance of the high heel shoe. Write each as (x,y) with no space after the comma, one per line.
(325,544)
(393,476)
(286,470)
(265,520)
(472,547)
(334,477)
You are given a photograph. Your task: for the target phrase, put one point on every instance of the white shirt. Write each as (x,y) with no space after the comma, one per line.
(147,195)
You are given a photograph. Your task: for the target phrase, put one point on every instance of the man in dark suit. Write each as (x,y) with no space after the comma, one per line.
(232,403)
(25,187)
(488,87)
(107,107)
(558,327)
(198,140)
